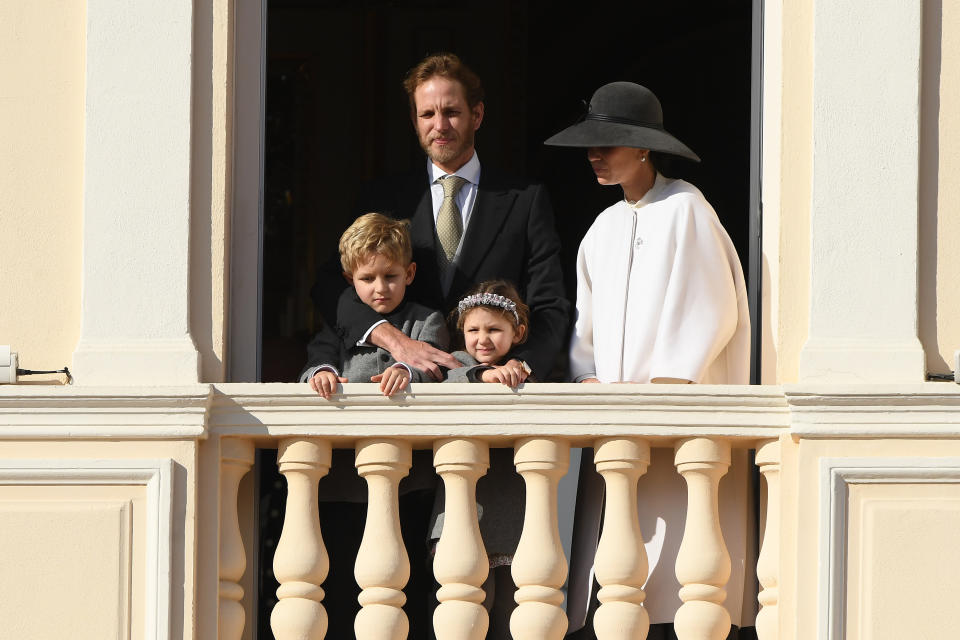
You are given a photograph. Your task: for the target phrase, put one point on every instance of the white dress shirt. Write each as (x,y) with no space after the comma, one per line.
(466,198)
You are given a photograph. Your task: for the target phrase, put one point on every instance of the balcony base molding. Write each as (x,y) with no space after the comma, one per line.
(148,362)
(919,410)
(44,412)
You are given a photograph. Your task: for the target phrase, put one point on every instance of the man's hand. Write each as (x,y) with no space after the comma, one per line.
(511,374)
(325,383)
(590,381)
(417,354)
(392,380)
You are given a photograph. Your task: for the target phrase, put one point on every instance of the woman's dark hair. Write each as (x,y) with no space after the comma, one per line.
(662,163)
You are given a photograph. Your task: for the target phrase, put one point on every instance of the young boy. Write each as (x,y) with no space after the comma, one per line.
(376,256)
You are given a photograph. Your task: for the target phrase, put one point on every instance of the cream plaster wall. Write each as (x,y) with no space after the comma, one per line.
(41,173)
(940,191)
(904,556)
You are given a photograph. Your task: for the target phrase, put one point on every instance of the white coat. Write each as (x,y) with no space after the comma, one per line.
(661,294)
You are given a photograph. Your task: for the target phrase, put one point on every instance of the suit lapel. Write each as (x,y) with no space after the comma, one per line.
(421,223)
(427,282)
(489,214)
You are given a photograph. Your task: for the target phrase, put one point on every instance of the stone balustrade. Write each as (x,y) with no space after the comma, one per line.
(460,423)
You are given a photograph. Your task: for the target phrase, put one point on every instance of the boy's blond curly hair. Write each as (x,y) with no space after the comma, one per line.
(374,233)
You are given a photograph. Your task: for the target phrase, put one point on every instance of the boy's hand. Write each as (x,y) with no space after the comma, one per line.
(392,380)
(511,374)
(325,383)
(417,354)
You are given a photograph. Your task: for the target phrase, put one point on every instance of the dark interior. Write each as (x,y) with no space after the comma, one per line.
(337,116)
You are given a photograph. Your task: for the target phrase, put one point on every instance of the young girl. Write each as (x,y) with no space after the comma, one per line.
(492,319)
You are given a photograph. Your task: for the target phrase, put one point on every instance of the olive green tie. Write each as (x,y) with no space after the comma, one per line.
(449,222)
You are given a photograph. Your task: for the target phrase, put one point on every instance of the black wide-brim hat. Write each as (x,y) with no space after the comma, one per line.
(623,114)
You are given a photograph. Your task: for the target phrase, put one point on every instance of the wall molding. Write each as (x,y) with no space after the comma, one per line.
(835,476)
(156,475)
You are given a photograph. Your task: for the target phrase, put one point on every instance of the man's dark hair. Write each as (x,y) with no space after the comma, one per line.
(446,65)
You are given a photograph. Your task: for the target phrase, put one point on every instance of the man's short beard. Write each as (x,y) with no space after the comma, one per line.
(443,155)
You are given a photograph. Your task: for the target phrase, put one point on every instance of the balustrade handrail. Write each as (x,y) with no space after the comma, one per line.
(578,413)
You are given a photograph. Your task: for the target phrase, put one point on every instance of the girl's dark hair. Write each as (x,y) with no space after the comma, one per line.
(500,288)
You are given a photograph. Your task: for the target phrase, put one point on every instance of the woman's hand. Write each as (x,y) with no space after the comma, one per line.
(512,373)
(325,383)
(392,380)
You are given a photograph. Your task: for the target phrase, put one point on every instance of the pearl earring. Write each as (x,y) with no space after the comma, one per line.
(643,159)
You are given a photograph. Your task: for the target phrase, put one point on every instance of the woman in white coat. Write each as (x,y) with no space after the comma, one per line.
(660,299)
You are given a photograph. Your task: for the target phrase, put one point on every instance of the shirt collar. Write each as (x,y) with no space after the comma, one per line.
(469,172)
(652,193)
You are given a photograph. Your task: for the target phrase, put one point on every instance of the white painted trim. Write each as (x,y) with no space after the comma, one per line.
(137,163)
(771,147)
(865,182)
(835,475)
(156,475)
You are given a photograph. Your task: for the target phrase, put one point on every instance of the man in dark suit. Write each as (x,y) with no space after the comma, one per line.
(485,227)
(467,226)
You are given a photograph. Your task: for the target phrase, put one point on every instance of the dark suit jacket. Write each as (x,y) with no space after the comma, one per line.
(511,236)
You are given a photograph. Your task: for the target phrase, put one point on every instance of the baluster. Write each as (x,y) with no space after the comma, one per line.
(621,562)
(461,564)
(382,567)
(768,459)
(703,564)
(539,567)
(236,457)
(300,563)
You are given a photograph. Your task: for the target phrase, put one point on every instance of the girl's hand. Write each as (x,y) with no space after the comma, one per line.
(512,374)
(325,383)
(392,380)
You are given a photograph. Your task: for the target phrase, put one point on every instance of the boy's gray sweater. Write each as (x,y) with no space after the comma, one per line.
(359,364)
